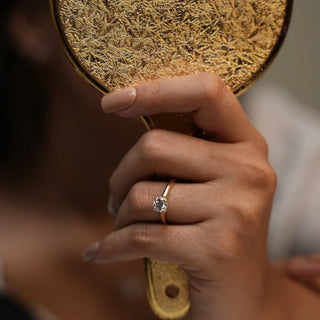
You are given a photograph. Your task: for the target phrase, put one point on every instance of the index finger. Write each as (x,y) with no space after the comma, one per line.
(214,108)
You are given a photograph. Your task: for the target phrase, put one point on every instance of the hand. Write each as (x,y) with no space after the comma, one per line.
(303,269)
(219,219)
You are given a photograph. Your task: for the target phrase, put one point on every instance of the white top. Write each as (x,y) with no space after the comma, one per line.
(293,135)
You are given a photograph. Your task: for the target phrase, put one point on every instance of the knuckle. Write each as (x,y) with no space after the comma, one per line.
(258,143)
(150,90)
(232,246)
(244,215)
(108,245)
(140,236)
(151,144)
(271,178)
(259,174)
(154,88)
(137,197)
(211,86)
(262,144)
(244,224)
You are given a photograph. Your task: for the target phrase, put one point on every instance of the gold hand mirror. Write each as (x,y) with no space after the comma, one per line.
(117,43)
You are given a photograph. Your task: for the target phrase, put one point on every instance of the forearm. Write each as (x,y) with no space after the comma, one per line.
(289,300)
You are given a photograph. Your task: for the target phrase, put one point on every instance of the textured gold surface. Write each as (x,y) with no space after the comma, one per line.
(117,43)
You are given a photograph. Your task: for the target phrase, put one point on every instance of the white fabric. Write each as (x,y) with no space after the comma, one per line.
(293,135)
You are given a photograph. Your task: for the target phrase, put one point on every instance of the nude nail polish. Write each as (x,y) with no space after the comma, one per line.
(90,252)
(112,207)
(119,100)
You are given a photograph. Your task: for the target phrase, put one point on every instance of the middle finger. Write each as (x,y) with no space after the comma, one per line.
(169,154)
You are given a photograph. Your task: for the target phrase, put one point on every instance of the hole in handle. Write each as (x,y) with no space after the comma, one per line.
(172,291)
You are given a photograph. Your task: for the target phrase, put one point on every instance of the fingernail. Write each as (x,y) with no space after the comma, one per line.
(119,100)
(90,252)
(112,207)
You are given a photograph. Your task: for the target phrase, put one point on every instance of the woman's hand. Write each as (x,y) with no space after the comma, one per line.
(219,219)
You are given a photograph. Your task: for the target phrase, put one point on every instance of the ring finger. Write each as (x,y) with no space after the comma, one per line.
(170,154)
(187,204)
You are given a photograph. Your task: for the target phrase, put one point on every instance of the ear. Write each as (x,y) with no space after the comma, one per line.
(29,34)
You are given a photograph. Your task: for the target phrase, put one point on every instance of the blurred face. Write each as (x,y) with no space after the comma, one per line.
(83,145)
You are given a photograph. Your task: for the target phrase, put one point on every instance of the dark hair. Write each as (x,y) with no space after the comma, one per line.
(22,111)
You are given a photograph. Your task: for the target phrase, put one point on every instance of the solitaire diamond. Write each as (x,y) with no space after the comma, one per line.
(160,204)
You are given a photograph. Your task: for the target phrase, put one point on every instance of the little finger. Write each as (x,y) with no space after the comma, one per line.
(171,244)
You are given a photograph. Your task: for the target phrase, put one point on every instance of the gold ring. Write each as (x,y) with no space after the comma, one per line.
(160,204)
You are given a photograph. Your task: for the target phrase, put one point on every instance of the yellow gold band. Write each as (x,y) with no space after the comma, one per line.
(160,204)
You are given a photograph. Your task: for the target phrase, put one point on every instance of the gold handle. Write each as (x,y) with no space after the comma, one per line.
(167,288)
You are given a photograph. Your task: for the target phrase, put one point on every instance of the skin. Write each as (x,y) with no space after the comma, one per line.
(47,218)
(221,215)
(303,269)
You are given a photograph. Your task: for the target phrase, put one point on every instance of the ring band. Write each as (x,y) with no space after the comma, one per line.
(160,204)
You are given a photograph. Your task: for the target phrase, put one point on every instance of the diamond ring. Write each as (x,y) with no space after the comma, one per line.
(160,204)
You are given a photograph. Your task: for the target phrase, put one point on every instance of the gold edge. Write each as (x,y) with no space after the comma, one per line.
(69,53)
(148,122)
(273,54)
(148,275)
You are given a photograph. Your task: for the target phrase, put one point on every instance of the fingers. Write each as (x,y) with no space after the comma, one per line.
(214,107)
(171,244)
(193,204)
(187,204)
(301,267)
(168,154)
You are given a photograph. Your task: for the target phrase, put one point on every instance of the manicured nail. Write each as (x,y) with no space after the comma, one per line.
(119,100)
(90,252)
(112,207)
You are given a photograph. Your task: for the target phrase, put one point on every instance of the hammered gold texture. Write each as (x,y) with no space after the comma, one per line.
(118,43)
(159,277)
